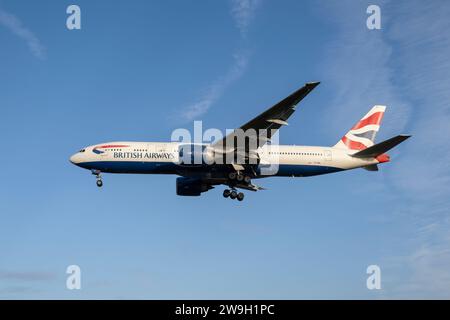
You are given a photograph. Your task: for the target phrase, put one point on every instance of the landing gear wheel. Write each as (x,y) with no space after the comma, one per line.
(233,195)
(98,177)
(240,177)
(247,179)
(232,175)
(240,196)
(226,193)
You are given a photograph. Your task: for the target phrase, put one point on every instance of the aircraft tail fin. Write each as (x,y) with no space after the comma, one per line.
(362,135)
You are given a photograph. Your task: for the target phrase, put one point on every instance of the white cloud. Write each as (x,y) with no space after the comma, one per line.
(357,66)
(215,91)
(12,23)
(423,51)
(243,12)
(26,275)
(405,66)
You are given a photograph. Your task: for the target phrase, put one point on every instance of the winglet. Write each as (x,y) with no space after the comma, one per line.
(298,95)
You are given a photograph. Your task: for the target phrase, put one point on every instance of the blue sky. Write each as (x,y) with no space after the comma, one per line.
(137,71)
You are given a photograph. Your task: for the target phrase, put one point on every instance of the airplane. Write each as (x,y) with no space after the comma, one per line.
(356,149)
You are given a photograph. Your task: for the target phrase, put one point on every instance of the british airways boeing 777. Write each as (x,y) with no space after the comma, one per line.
(259,157)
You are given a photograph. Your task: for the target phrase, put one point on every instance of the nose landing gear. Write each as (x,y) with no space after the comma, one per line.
(233,194)
(98,177)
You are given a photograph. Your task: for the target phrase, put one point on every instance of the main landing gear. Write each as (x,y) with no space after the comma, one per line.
(236,178)
(233,194)
(98,177)
(239,177)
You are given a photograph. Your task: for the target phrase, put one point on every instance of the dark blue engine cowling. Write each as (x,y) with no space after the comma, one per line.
(191,186)
(195,155)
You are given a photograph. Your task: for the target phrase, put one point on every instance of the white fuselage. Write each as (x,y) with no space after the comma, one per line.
(161,157)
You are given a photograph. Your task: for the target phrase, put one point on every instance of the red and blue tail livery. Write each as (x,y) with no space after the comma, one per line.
(362,134)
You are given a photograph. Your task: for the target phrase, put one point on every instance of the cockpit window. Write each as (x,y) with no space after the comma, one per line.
(82,150)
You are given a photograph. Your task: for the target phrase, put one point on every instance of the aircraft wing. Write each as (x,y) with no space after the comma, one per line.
(270,120)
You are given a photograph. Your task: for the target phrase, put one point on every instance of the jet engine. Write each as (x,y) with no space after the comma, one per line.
(191,186)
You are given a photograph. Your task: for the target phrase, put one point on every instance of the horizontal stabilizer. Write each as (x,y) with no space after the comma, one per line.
(381,147)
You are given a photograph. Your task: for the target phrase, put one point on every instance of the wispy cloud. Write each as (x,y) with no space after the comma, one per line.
(423,50)
(243,12)
(405,66)
(26,276)
(13,24)
(17,290)
(20,283)
(357,66)
(214,91)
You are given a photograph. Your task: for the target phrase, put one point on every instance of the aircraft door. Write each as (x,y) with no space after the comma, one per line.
(327,155)
(150,148)
(161,148)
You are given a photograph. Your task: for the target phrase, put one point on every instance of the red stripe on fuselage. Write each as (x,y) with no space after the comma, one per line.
(112,146)
(373,119)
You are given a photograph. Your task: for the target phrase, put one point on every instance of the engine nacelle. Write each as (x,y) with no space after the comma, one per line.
(191,186)
(195,155)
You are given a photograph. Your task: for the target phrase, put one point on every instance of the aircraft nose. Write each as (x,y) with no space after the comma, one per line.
(75,158)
